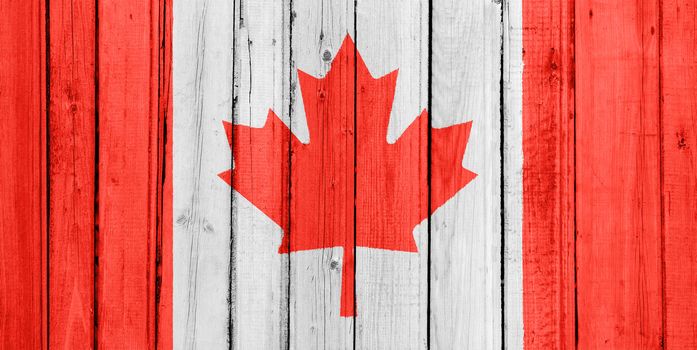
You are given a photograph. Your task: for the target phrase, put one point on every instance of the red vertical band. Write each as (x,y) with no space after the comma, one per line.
(22,175)
(618,175)
(679,132)
(548,174)
(128,172)
(71,173)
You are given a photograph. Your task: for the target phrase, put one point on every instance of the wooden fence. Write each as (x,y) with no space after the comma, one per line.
(126,224)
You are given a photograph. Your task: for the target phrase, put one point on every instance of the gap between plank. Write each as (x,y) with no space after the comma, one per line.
(355,163)
(47,126)
(661,155)
(231,268)
(95,299)
(429,96)
(291,101)
(502,178)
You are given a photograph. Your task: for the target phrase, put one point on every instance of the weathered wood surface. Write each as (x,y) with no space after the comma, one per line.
(315,287)
(23,220)
(259,281)
(129,183)
(547,131)
(392,286)
(512,143)
(679,184)
(72,126)
(203,84)
(118,232)
(465,298)
(165,268)
(618,177)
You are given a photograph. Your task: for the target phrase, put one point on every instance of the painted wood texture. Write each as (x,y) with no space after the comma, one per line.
(203,83)
(548,175)
(679,184)
(129,133)
(164,260)
(72,129)
(318,30)
(512,146)
(59,307)
(23,218)
(392,286)
(117,231)
(618,178)
(260,275)
(465,277)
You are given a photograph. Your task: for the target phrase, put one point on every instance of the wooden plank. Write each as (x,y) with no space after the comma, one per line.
(391,285)
(319,28)
(164,297)
(618,176)
(547,132)
(513,174)
(679,185)
(260,277)
(22,176)
(128,46)
(203,80)
(71,174)
(466,232)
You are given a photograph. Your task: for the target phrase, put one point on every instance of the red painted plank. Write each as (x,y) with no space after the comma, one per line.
(548,174)
(22,176)
(618,175)
(71,174)
(129,182)
(165,240)
(679,132)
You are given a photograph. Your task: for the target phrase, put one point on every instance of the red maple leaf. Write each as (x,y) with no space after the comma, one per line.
(390,179)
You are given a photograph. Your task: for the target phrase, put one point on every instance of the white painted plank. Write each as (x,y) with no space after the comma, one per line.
(315,287)
(202,72)
(466,231)
(260,277)
(392,286)
(513,173)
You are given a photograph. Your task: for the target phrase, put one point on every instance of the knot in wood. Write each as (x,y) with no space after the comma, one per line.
(327,56)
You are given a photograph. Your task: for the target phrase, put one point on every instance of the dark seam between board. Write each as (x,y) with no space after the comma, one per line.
(572,31)
(355,164)
(502,184)
(429,97)
(664,307)
(46,129)
(95,214)
(575,234)
(231,262)
(291,100)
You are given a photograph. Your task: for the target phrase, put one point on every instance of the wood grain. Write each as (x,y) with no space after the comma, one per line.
(548,175)
(260,294)
(318,26)
(465,278)
(392,286)
(618,198)
(128,153)
(513,324)
(679,185)
(72,131)
(203,82)
(164,294)
(119,233)
(23,221)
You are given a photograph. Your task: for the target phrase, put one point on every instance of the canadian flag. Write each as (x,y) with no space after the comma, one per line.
(348,174)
